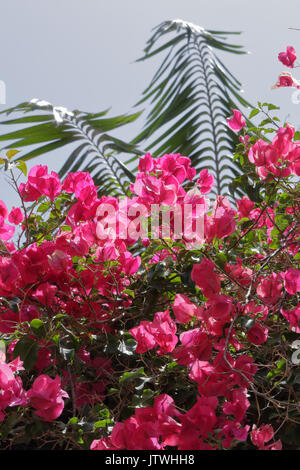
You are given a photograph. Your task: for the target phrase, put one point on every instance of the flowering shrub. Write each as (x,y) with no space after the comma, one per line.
(121,333)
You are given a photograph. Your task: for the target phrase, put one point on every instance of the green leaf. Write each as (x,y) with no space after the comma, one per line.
(44,207)
(73,420)
(11,153)
(22,166)
(253,113)
(36,323)
(221,259)
(143,400)
(132,375)
(26,349)
(270,106)
(297,135)
(103,423)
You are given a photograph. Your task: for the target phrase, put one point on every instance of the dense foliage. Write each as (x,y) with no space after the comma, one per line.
(119,334)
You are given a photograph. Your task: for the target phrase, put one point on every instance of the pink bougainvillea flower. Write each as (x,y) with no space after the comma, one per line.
(288,58)
(45,293)
(82,185)
(283,141)
(195,344)
(11,388)
(103,444)
(286,79)
(184,309)
(245,206)
(3,210)
(205,181)
(60,261)
(220,224)
(40,183)
(233,431)
(130,264)
(201,417)
(219,307)
(6,231)
(160,332)
(270,288)
(260,436)
(205,278)
(144,335)
(15,216)
(244,140)
(237,121)
(186,163)
(262,153)
(147,429)
(46,396)
(165,329)
(200,371)
(239,272)
(257,334)
(237,405)
(292,281)
(293,317)
(146,163)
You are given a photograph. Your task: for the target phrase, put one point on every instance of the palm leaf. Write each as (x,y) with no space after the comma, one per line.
(95,151)
(190,96)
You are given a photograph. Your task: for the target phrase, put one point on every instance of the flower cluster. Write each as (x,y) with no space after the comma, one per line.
(114,335)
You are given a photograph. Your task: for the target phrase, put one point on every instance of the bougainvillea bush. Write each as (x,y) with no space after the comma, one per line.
(121,330)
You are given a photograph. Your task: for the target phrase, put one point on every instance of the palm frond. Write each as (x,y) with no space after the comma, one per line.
(49,127)
(190,96)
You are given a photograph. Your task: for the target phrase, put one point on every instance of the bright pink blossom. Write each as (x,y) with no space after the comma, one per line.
(16,216)
(40,183)
(3,210)
(292,281)
(205,278)
(46,396)
(285,79)
(205,181)
(242,274)
(220,224)
(289,57)
(237,121)
(129,263)
(293,317)
(270,288)
(144,335)
(45,293)
(260,436)
(237,405)
(184,309)
(146,163)
(257,334)
(11,388)
(245,206)
(160,332)
(195,344)
(6,231)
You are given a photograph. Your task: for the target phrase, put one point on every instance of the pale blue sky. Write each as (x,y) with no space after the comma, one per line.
(80,54)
